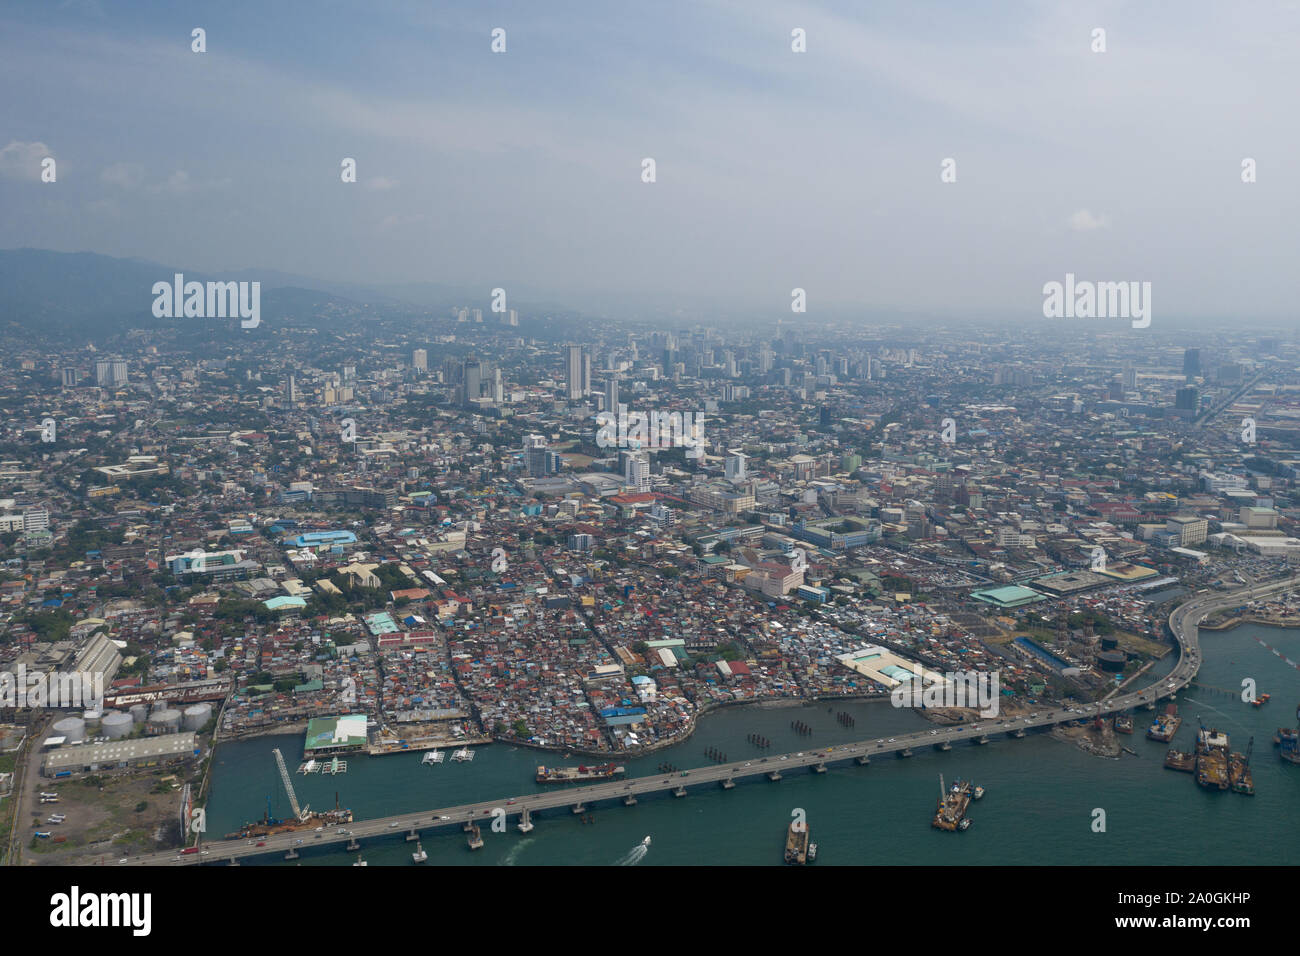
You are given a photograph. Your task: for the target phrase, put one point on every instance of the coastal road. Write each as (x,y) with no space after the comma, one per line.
(1182,623)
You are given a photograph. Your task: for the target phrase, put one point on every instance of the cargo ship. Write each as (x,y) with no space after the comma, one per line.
(1212,759)
(1165,725)
(1123,723)
(1180,760)
(796,842)
(602,771)
(950,813)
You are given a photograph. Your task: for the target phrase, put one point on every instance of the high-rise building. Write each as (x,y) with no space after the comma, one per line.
(498,387)
(637,475)
(611,393)
(1186,400)
(110,373)
(1192,362)
(291,391)
(538,459)
(577,372)
(70,377)
(472,376)
(734,465)
(420,360)
(1130,376)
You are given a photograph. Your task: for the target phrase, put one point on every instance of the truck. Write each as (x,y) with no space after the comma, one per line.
(63,773)
(188,850)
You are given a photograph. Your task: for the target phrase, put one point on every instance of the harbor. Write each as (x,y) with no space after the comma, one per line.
(737,823)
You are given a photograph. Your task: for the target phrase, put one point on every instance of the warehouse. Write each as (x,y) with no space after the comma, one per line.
(120,754)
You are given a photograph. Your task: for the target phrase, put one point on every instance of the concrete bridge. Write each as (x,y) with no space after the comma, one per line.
(522,808)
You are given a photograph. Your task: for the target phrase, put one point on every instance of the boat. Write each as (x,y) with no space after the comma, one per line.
(979,793)
(360,862)
(812,852)
(419,856)
(953,803)
(965,824)
(309,766)
(475,840)
(645,842)
(1180,760)
(1212,759)
(432,757)
(1165,725)
(796,843)
(1123,723)
(462,755)
(602,771)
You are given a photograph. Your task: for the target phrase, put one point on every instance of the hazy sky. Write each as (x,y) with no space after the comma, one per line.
(775,169)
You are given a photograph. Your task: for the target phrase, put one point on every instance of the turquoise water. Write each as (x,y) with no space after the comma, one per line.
(1041,793)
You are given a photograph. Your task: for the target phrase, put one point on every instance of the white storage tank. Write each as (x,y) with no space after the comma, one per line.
(197,715)
(74,728)
(139,713)
(165,721)
(116,724)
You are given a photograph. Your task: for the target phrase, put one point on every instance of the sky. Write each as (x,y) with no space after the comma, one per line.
(774,169)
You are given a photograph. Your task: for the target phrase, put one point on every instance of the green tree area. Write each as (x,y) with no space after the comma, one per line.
(48,625)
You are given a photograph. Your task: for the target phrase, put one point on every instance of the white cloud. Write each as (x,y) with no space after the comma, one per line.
(126,175)
(1085,221)
(380,183)
(23,160)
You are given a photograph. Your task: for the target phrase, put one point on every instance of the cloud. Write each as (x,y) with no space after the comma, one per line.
(126,175)
(380,182)
(1085,221)
(23,160)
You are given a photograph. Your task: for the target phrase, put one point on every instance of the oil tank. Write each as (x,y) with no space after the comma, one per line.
(91,719)
(165,721)
(197,715)
(115,724)
(74,728)
(1112,661)
(139,713)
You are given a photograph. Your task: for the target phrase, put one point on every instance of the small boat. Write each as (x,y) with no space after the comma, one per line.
(645,842)
(419,856)
(812,852)
(979,793)
(360,862)
(965,824)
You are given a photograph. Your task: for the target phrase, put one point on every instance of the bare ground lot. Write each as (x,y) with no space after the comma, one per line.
(105,819)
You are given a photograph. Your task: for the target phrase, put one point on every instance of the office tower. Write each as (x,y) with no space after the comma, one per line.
(420,360)
(611,394)
(734,466)
(577,372)
(110,373)
(472,376)
(538,459)
(1192,362)
(1186,400)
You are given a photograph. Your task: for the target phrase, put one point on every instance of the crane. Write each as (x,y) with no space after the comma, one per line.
(288,786)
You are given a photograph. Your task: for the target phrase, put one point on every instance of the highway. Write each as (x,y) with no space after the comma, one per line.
(1182,623)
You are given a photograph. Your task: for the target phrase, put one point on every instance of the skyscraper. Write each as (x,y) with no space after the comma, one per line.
(578,372)
(420,360)
(1192,362)
(611,394)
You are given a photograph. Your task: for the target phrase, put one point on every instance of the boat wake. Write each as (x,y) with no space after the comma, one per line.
(634,856)
(513,855)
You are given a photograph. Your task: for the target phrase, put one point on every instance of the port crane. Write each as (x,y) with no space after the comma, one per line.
(300,814)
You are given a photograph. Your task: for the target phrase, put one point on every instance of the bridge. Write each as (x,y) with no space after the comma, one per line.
(1182,623)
